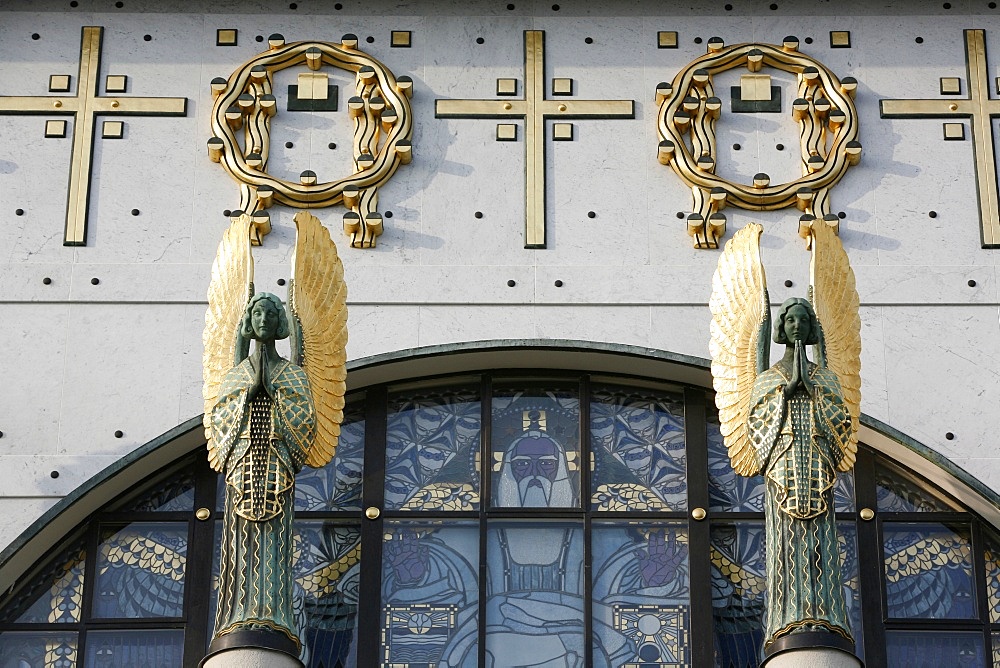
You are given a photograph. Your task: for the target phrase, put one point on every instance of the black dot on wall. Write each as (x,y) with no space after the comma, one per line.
(74,4)
(281,281)
(950,436)
(841,214)
(729,8)
(698,40)
(992,5)
(147,38)
(35,35)
(119,5)
(809,40)
(558,284)
(591,214)
(46,281)
(95,281)
(510,7)
(932,214)
(947,5)
(774,6)
(919,40)
(54,474)
(388,214)
(119,433)
(338,6)
(479,214)
(480,40)
(293,6)
(511,283)
(370,39)
(780,147)
(972,283)
(19,212)
(331,146)
(289,144)
(680,214)
(555,8)
(259,38)
(588,40)
(788,283)
(736,147)
(227,213)
(1,434)
(135,212)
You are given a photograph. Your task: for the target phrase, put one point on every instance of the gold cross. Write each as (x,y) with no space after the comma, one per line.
(534,109)
(979,107)
(85,106)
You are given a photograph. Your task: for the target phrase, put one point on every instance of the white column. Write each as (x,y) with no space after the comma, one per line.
(251,657)
(813,657)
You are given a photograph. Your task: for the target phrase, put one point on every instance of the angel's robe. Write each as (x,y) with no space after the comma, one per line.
(263,443)
(799,443)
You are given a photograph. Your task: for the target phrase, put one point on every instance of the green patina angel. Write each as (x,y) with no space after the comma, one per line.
(795,421)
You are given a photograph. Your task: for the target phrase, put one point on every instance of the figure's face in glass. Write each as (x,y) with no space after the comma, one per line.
(264,319)
(797,324)
(431,461)
(638,459)
(535,458)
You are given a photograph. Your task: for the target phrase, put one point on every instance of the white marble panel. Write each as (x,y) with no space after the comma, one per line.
(17,514)
(943,374)
(32,391)
(874,385)
(122,372)
(453,324)
(379,328)
(680,329)
(25,282)
(32,475)
(628,325)
(140,283)
(189,361)
(441,284)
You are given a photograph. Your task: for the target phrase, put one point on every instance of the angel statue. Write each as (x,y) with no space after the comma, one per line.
(795,422)
(266,416)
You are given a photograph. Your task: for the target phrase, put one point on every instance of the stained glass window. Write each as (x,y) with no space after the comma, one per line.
(920,649)
(29,649)
(56,596)
(337,486)
(140,571)
(128,649)
(899,493)
(928,571)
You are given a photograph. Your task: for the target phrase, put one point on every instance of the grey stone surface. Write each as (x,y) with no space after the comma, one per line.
(251,657)
(813,658)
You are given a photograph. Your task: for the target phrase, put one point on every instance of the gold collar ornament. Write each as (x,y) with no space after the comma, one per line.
(828,127)
(383,126)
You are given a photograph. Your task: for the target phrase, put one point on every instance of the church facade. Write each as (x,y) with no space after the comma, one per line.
(529,200)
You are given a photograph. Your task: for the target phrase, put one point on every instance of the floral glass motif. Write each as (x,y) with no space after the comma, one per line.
(430,594)
(536,447)
(140,571)
(326,573)
(641,595)
(337,486)
(432,450)
(934,649)
(928,571)
(637,440)
(897,493)
(55,596)
(534,609)
(128,649)
(36,649)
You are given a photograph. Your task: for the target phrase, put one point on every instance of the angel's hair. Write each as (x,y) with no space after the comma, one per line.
(779,324)
(275,302)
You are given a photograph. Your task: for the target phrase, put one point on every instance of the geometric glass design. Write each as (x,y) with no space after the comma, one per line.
(639,450)
(738,582)
(992,558)
(140,571)
(175,494)
(128,649)
(899,493)
(536,447)
(916,649)
(928,571)
(433,450)
(56,596)
(48,649)
(430,594)
(641,594)
(338,485)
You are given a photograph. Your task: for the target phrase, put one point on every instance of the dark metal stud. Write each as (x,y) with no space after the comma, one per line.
(788,283)
(227,213)
(511,283)
(780,147)
(259,38)
(588,40)
(19,212)
(55,474)
(479,214)
(950,436)
(697,40)
(95,281)
(119,433)
(919,40)
(972,283)
(558,284)
(35,35)
(289,144)
(370,39)
(591,214)
(338,6)
(736,147)
(480,40)
(555,8)
(932,214)
(135,212)
(388,214)
(281,281)
(46,281)
(808,40)
(680,214)
(331,146)
(842,214)
(147,38)
(510,7)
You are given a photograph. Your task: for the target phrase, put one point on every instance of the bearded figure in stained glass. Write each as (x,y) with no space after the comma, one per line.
(795,421)
(267,416)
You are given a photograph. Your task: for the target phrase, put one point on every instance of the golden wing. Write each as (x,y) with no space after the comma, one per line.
(231,287)
(318,300)
(835,298)
(739,345)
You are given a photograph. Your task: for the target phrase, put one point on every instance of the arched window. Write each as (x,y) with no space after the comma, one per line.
(580,518)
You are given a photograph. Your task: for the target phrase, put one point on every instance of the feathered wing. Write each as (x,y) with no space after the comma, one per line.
(740,314)
(318,301)
(231,288)
(835,298)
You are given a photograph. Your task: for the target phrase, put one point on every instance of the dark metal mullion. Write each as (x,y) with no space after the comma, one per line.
(585,496)
(89,584)
(373,496)
(485,501)
(699,532)
(870,560)
(198,578)
(979,577)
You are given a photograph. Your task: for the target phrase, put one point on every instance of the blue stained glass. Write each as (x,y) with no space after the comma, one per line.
(337,486)
(928,571)
(534,612)
(55,596)
(641,595)
(931,649)
(738,581)
(897,493)
(128,649)
(536,448)
(640,461)
(727,491)
(26,649)
(140,571)
(430,594)
(432,451)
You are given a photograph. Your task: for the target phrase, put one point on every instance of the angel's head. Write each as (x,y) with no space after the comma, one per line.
(264,318)
(796,321)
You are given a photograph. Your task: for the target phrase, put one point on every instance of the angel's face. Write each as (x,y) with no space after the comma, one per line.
(797,324)
(264,319)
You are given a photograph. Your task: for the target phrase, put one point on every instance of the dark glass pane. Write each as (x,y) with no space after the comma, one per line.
(843,492)
(637,439)
(928,571)
(337,486)
(992,554)
(432,450)
(140,571)
(430,594)
(899,493)
(847,534)
(924,649)
(129,649)
(641,595)
(996,649)
(38,650)
(727,491)
(738,576)
(536,447)
(534,613)
(176,493)
(55,596)
(327,574)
